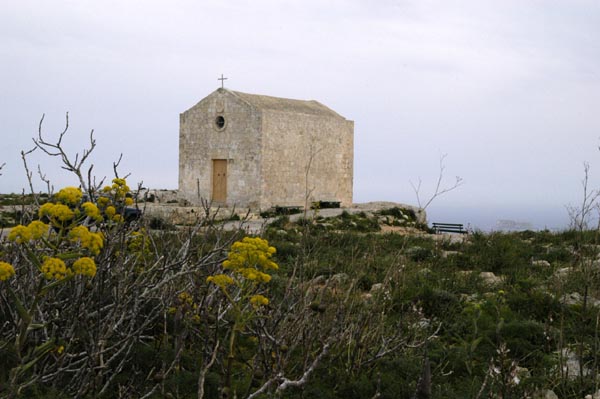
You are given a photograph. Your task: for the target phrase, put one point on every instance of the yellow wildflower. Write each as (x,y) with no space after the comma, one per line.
(69,195)
(37,229)
(222,280)
(85,266)
(90,209)
(54,268)
(110,211)
(254,275)
(45,209)
(56,212)
(185,298)
(259,300)
(60,349)
(251,257)
(128,201)
(251,252)
(79,233)
(120,187)
(19,234)
(92,241)
(6,271)
(95,243)
(102,202)
(62,212)
(264,277)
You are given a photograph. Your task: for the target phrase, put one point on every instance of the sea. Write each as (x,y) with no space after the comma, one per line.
(503,218)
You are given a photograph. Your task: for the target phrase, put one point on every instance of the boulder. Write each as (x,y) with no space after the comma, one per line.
(575,298)
(563,272)
(545,394)
(319,280)
(571,365)
(446,254)
(338,279)
(540,263)
(379,289)
(376,288)
(490,278)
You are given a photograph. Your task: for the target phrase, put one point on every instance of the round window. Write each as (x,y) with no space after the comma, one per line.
(220,122)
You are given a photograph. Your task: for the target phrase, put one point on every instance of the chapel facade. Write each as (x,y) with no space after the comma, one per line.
(255,151)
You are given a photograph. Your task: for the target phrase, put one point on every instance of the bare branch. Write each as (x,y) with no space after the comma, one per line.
(56,150)
(116,165)
(312,153)
(29,174)
(298,383)
(439,190)
(580,215)
(202,375)
(45,180)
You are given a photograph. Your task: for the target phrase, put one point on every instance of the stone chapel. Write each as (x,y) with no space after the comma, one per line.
(255,151)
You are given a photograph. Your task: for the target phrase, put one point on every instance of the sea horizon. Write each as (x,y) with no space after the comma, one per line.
(502,218)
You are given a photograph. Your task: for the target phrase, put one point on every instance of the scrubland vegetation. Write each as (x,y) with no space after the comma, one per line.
(94,306)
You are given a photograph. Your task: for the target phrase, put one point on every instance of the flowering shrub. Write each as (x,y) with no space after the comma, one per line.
(82,293)
(114,199)
(250,261)
(19,234)
(91,210)
(138,244)
(221,280)
(53,250)
(6,271)
(69,196)
(54,268)
(250,257)
(69,242)
(85,266)
(91,241)
(185,307)
(258,300)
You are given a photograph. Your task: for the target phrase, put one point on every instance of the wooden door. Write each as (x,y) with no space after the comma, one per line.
(219,180)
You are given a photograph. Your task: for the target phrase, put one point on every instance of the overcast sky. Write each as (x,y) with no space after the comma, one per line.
(510,90)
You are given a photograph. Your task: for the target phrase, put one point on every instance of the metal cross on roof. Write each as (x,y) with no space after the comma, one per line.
(222,79)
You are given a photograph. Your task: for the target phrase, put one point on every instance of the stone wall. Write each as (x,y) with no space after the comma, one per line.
(289,143)
(201,141)
(268,144)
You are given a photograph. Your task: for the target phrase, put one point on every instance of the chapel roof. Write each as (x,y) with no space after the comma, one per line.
(310,107)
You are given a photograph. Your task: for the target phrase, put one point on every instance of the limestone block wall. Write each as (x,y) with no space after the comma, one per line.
(267,143)
(238,141)
(289,142)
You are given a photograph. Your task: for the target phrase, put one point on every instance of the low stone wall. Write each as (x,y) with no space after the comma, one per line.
(381,205)
(186,215)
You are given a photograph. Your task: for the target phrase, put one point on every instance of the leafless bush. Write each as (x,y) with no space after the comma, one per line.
(149,296)
(439,189)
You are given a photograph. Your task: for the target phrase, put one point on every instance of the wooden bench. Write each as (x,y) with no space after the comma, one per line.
(448,228)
